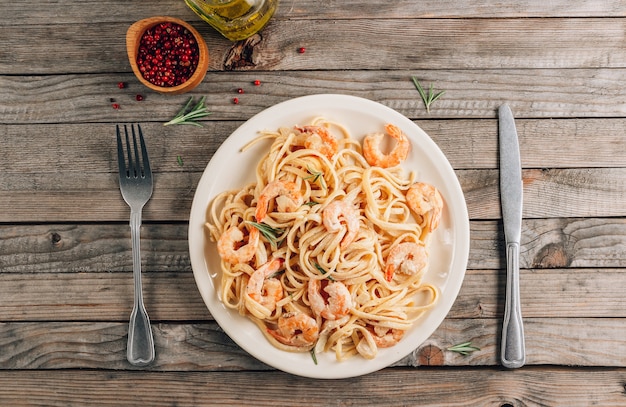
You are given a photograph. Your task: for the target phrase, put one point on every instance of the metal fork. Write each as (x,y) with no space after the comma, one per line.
(136,187)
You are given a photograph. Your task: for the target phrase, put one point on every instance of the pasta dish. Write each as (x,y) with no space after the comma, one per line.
(327,249)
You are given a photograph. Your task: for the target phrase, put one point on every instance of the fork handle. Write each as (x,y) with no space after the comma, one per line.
(512,352)
(140,347)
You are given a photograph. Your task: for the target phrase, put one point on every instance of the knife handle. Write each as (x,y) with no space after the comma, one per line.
(512,351)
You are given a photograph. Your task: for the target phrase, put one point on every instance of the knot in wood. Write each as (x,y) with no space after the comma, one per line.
(241,54)
(553,255)
(430,355)
(55,239)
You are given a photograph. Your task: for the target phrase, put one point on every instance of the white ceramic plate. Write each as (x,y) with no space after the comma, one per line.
(230,168)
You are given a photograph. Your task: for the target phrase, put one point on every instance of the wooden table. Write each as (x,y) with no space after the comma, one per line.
(65,254)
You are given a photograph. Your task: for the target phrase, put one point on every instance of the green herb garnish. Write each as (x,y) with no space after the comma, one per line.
(429,97)
(189,115)
(464,348)
(270,233)
(275,274)
(324,272)
(316,176)
(179,160)
(313,356)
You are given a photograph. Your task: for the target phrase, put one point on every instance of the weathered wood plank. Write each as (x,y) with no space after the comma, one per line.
(205,347)
(549,193)
(468,144)
(118,10)
(85,197)
(552,243)
(83,248)
(391,387)
(92,296)
(544,293)
(99,297)
(533,93)
(495,43)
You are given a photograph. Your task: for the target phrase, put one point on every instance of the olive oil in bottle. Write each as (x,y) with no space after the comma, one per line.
(235,19)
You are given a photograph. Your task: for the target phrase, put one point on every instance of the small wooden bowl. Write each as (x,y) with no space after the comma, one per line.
(133,38)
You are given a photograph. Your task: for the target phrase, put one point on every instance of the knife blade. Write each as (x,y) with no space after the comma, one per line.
(512,348)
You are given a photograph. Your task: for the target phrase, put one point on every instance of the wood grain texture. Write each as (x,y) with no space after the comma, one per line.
(205,347)
(495,43)
(84,248)
(170,296)
(92,11)
(406,387)
(470,94)
(467,144)
(68,197)
(61,248)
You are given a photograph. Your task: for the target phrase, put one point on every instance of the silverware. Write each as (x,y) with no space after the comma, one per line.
(512,350)
(136,188)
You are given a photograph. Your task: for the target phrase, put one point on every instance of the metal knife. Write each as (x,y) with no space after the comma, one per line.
(512,350)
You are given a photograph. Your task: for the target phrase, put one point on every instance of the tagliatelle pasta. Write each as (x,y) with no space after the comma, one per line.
(326,250)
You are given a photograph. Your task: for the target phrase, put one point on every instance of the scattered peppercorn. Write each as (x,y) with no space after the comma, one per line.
(302,50)
(115,106)
(236,101)
(240,91)
(139,98)
(257,83)
(121,85)
(168,54)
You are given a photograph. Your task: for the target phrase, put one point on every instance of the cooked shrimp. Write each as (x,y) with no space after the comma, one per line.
(385,337)
(288,197)
(339,299)
(406,258)
(375,157)
(296,329)
(320,139)
(231,248)
(425,200)
(337,211)
(266,291)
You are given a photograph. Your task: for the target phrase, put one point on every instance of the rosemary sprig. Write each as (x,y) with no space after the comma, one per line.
(313,355)
(324,272)
(464,348)
(276,274)
(270,233)
(429,97)
(179,160)
(189,115)
(316,176)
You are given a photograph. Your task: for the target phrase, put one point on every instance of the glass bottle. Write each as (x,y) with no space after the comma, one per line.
(235,19)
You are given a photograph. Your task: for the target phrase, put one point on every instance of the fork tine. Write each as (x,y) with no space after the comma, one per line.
(121,162)
(147,172)
(130,168)
(134,164)
(131,163)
